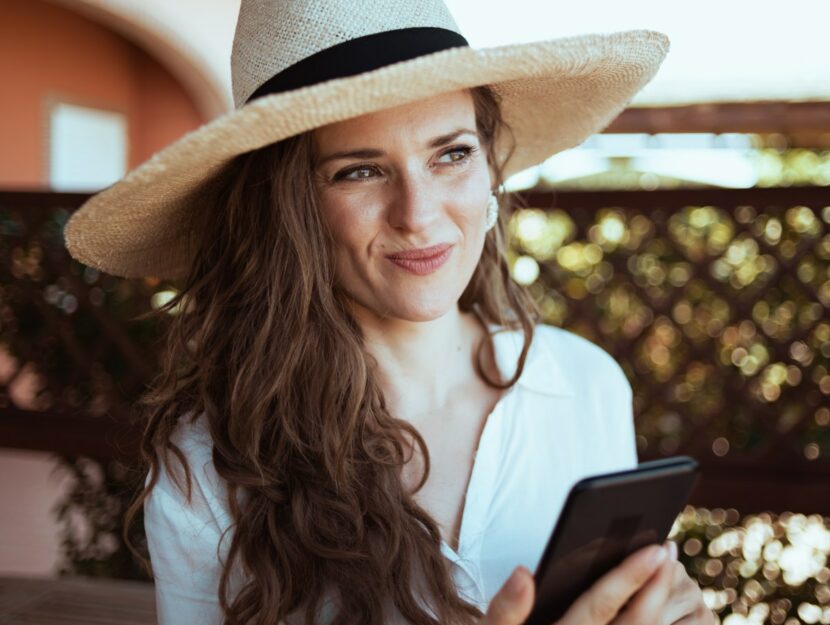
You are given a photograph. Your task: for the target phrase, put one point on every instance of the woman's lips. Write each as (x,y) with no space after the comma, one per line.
(423,261)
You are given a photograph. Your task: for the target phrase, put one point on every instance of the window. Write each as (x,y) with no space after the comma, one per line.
(87,147)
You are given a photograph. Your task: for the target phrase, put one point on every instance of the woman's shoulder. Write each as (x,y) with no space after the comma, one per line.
(187,538)
(582,359)
(192,436)
(561,338)
(604,414)
(208,492)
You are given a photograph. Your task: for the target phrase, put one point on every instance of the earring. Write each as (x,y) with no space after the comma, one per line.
(492,211)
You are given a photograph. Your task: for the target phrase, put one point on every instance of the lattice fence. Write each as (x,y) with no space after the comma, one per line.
(70,362)
(715,303)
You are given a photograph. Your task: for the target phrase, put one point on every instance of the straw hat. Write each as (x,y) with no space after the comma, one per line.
(300,64)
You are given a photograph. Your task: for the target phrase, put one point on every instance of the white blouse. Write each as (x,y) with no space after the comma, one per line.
(568,416)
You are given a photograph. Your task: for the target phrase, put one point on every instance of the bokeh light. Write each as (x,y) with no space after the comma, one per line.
(750,569)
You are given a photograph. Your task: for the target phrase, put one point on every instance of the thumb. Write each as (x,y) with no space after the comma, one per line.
(511,605)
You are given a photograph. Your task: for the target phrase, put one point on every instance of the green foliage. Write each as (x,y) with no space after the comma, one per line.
(92,518)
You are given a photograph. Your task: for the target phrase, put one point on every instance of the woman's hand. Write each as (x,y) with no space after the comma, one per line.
(684,604)
(646,588)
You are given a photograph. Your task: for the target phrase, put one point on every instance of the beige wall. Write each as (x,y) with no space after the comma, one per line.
(192,38)
(30,487)
(720,51)
(48,53)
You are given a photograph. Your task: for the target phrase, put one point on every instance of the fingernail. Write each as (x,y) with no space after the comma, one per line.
(515,585)
(658,555)
(673,550)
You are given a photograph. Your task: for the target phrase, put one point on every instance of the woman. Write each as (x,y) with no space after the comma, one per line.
(367,422)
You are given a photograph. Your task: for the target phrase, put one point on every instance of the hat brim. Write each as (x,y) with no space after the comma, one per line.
(554,94)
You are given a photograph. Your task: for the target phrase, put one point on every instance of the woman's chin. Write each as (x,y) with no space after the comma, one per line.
(416,303)
(425,310)
(409,307)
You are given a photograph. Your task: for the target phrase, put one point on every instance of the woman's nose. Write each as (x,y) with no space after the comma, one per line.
(415,204)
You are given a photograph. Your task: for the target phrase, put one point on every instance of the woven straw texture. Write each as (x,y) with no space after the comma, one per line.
(555,94)
(271,36)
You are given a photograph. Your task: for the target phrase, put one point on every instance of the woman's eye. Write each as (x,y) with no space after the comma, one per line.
(355,173)
(458,155)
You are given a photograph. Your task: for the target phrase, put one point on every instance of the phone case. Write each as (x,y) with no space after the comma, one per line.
(604,519)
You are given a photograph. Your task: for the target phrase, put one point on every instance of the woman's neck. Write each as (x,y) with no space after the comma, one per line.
(422,365)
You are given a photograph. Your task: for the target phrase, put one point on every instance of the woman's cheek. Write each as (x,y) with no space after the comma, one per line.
(475,209)
(339,210)
(353,224)
(473,191)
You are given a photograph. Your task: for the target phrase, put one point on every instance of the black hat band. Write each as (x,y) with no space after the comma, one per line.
(359,55)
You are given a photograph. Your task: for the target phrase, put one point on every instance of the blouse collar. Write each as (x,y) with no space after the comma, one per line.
(542,372)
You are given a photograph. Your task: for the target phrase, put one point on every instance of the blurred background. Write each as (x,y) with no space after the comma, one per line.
(691,239)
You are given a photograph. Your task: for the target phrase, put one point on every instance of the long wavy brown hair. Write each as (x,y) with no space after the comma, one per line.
(263,346)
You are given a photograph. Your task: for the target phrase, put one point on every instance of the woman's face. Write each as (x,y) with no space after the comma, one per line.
(402,179)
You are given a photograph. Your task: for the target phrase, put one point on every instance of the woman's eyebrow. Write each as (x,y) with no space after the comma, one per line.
(362,153)
(437,142)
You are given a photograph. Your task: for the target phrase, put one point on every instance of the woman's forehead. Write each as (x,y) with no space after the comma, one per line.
(421,120)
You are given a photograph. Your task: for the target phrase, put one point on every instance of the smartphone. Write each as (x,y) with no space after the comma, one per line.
(605,518)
